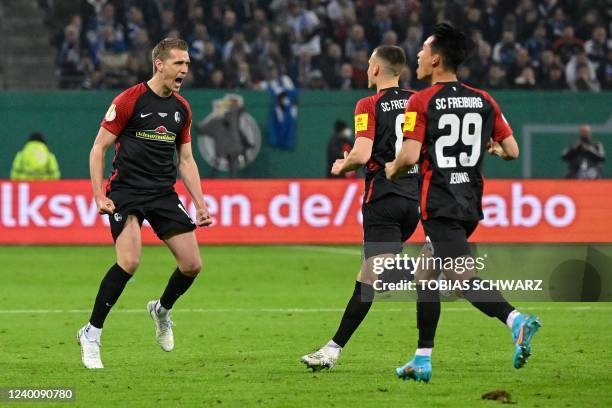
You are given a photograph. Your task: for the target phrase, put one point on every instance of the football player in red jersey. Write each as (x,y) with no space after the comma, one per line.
(390,208)
(448,127)
(148,123)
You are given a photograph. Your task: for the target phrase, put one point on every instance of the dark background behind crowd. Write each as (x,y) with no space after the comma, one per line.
(325,44)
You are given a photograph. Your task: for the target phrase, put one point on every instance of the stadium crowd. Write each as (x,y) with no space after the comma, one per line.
(325,44)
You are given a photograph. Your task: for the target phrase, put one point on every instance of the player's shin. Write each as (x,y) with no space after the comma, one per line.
(110,289)
(428,315)
(491,302)
(356,310)
(176,287)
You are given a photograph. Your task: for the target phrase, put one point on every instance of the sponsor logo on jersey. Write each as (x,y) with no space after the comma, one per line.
(361,122)
(409,121)
(160,133)
(111,113)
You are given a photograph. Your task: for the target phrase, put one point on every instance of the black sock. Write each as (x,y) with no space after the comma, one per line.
(110,289)
(428,314)
(356,310)
(177,286)
(490,302)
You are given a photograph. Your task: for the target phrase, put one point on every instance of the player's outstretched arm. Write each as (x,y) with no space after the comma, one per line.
(507,149)
(188,170)
(103,141)
(358,156)
(406,158)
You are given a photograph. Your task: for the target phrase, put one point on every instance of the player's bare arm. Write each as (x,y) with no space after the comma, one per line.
(357,157)
(507,149)
(103,141)
(407,157)
(188,170)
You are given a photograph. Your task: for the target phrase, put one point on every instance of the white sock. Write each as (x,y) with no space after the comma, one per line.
(423,352)
(332,344)
(160,310)
(92,332)
(511,317)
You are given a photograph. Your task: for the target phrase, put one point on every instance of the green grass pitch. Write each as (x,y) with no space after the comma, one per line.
(243,326)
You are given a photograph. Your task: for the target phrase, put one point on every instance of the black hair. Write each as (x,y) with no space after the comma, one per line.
(38,137)
(452,44)
(394,56)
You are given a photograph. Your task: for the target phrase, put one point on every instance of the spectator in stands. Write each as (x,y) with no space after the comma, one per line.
(496,78)
(380,24)
(389,38)
(412,44)
(360,70)
(504,52)
(35,161)
(557,22)
(139,56)
(585,157)
(479,64)
(567,45)
(72,59)
(304,29)
(604,73)
(555,79)
(587,24)
(356,42)
(547,61)
(537,44)
(580,73)
(346,77)
(135,23)
(522,61)
(526,19)
(331,64)
(526,79)
(597,47)
(336,9)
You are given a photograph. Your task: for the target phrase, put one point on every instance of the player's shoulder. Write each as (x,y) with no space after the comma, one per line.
(423,96)
(366,104)
(182,100)
(131,94)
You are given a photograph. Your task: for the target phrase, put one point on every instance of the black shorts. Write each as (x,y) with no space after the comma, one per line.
(164,211)
(449,237)
(387,223)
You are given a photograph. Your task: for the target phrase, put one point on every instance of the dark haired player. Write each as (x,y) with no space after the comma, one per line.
(448,127)
(148,123)
(390,208)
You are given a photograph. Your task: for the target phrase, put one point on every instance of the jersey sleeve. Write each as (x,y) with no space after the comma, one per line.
(365,119)
(501,127)
(415,119)
(186,131)
(119,113)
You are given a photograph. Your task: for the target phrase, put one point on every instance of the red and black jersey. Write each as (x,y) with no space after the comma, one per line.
(149,129)
(380,117)
(455,123)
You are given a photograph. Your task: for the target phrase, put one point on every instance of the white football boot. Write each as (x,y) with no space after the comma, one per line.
(90,350)
(326,357)
(163,327)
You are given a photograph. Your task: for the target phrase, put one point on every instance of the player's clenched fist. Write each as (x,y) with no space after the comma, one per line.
(390,172)
(105,205)
(337,167)
(203,218)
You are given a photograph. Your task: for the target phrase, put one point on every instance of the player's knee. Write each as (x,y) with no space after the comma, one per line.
(192,267)
(129,264)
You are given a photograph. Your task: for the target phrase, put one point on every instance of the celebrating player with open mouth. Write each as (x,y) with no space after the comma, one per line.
(148,123)
(447,129)
(390,208)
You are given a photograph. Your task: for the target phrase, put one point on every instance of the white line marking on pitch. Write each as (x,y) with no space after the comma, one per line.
(288,310)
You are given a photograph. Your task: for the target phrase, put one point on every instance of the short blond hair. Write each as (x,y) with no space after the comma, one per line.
(162,50)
